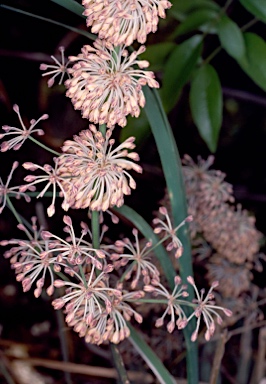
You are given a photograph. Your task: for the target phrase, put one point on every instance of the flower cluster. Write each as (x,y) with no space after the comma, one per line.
(105,86)
(19,135)
(95,174)
(122,22)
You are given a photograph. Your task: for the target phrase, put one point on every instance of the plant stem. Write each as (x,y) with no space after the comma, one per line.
(13,210)
(44,146)
(119,365)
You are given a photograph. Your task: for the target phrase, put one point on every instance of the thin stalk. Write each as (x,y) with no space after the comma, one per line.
(119,365)
(5,373)
(63,343)
(95,229)
(13,209)
(79,31)
(44,146)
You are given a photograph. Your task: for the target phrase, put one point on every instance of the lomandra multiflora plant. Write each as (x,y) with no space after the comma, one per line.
(101,286)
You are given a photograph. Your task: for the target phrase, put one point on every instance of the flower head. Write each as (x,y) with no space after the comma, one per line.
(178,317)
(97,172)
(5,190)
(56,69)
(138,259)
(52,178)
(105,86)
(169,231)
(74,250)
(31,259)
(20,135)
(206,309)
(122,22)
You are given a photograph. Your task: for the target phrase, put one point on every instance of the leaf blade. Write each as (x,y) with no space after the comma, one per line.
(231,38)
(178,70)
(206,104)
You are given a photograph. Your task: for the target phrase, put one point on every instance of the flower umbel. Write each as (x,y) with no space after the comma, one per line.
(20,135)
(122,22)
(105,86)
(138,259)
(169,231)
(56,69)
(207,309)
(97,172)
(52,178)
(178,317)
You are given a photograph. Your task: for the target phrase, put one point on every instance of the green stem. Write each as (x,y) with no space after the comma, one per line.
(5,373)
(95,229)
(81,271)
(119,365)
(44,146)
(63,343)
(15,213)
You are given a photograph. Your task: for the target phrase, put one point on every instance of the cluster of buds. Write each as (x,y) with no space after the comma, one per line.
(102,284)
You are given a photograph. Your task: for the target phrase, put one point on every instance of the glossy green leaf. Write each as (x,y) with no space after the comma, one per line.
(180,9)
(256,7)
(148,355)
(157,54)
(194,21)
(255,65)
(71,5)
(206,104)
(231,38)
(178,70)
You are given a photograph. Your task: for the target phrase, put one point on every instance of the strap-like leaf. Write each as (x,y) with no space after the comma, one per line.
(71,5)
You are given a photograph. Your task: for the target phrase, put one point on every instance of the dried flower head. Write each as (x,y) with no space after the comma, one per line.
(97,172)
(5,190)
(56,69)
(122,22)
(105,85)
(20,135)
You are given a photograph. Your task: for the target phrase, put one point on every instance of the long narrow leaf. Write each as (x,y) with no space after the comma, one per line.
(149,356)
(80,31)
(147,231)
(171,164)
(71,5)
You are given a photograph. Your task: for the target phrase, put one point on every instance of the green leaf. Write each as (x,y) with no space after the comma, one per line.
(231,38)
(172,169)
(147,231)
(206,104)
(178,70)
(150,357)
(180,9)
(157,54)
(255,65)
(71,5)
(194,20)
(256,7)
